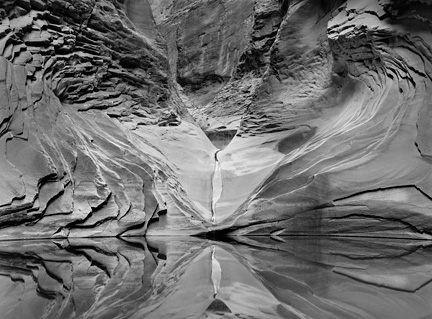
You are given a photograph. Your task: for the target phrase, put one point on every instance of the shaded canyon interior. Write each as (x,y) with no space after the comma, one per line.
(319,113)
(128,125)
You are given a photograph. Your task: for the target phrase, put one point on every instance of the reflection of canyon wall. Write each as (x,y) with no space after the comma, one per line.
(262,278)
(106,105)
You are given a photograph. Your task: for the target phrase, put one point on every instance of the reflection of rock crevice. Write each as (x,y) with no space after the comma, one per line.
(260,278)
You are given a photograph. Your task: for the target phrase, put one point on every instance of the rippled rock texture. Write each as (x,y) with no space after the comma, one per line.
(190,278)
(86,103)
(319,112)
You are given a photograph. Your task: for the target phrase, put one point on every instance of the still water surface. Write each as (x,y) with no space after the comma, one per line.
(258,277)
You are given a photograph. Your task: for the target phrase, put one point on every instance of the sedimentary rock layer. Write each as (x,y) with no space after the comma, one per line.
(88,116)
(107,109)
(342,116)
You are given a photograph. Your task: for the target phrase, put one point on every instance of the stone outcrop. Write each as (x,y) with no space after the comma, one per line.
(319,112)
(81,86)
(340,116)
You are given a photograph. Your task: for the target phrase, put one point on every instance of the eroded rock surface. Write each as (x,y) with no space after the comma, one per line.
(340,114)
(107,109)
(81,85)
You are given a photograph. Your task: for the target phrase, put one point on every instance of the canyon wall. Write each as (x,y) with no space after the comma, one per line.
(318,112)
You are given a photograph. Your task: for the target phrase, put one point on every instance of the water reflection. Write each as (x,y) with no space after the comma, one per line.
(259,277)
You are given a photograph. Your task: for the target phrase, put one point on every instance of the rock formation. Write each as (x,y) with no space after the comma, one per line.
(319,113)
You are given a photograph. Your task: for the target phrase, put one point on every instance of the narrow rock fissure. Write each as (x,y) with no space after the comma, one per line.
(216,187)
(369,191)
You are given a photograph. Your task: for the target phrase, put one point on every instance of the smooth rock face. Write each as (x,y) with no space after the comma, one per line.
(108,110)
(191,278)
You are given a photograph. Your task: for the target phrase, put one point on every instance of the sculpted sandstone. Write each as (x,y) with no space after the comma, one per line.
(318,112)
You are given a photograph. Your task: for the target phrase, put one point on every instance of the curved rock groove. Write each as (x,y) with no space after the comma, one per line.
(140,13)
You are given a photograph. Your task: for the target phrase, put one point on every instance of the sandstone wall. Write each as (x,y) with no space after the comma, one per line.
(106,106)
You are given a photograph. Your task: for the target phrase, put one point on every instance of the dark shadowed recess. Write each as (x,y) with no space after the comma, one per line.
(221,138)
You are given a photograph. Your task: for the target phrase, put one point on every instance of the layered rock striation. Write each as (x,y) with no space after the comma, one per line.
(346,97)
(318,110)
(78,82)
